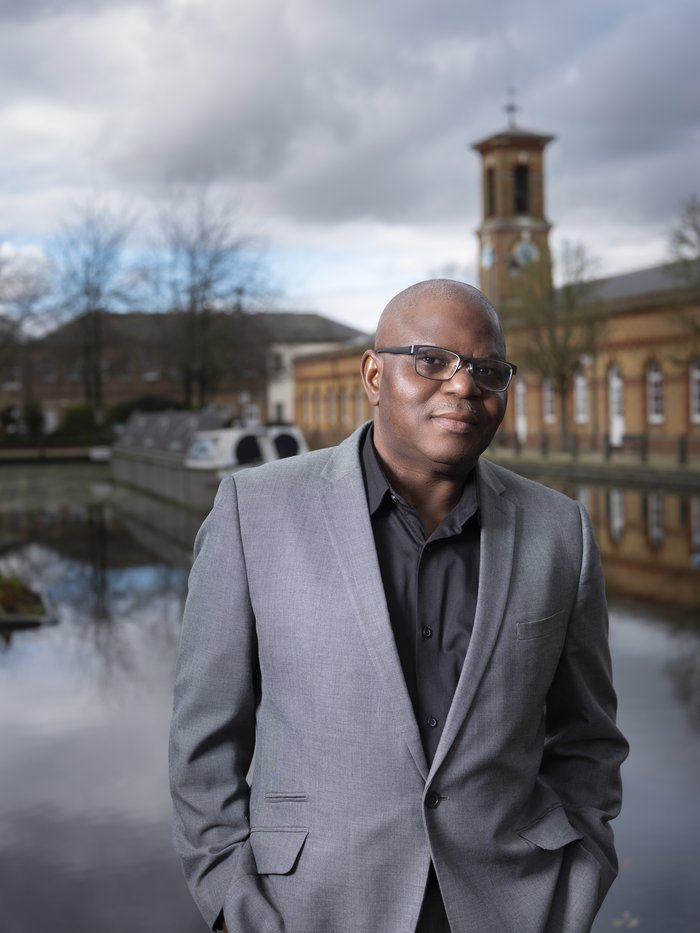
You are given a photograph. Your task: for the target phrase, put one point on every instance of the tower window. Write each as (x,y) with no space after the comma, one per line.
(695,392)
(490,192)
(522,194)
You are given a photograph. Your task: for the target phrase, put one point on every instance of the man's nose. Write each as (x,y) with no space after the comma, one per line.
(462,383)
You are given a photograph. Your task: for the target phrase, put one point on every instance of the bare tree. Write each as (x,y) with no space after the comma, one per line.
(25,287)
(206,269)
(557,328)
(685,240)
(92,281)
(685,252)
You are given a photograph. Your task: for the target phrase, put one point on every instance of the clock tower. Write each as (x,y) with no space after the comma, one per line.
(514,230)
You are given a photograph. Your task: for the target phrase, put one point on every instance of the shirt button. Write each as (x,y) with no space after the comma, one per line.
(432,721)
(427,632)
(432,801)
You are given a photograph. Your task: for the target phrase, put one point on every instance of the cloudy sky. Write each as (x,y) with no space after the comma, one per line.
(342,128)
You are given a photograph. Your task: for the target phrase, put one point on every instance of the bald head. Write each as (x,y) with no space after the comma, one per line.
(406,312)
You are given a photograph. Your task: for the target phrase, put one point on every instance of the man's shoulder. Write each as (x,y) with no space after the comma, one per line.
(301,467)
(526,492)
(304,470)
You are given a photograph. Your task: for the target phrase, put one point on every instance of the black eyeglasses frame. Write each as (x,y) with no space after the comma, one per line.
(467,361)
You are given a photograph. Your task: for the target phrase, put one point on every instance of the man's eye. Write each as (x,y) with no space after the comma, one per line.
(435,362)
(484,370)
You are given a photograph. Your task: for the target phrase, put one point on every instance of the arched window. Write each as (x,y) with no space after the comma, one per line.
(344,407)
(695,392)
(548,414)
(490,192)
(520,410)
(359,406)
(521,189)
(616,406)
(306,407)
(580,397)
(655,393)
(331,407)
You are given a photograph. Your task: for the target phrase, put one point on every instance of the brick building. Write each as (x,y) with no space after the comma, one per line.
(640,389)
(138,356)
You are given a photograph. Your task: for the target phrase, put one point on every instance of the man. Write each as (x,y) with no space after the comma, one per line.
(412,644)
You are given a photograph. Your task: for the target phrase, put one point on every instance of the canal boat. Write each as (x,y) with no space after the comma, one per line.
(181,456)
(230,449)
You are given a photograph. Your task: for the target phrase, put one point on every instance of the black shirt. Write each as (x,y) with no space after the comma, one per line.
(431,587)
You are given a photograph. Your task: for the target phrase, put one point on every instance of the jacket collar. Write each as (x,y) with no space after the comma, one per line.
(347,518)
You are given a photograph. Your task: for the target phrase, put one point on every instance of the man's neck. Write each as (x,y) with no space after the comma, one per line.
(433,495)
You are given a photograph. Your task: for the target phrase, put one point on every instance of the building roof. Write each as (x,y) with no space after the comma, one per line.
(653,280)
(282,327)
(513,136)
(304,327)
(133,325)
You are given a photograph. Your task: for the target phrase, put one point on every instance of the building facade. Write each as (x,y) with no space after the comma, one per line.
(638,391)
(330,401)
(638,388)
(514,230)
(141,355)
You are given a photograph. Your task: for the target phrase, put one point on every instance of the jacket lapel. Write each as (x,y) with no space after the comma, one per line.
(345,510)
(498,515)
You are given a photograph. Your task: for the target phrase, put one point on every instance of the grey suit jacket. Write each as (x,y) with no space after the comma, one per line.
(288,657)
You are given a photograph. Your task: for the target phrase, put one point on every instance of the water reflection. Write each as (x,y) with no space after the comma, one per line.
(85,705)
(649,541)
(658,830)
(84,708)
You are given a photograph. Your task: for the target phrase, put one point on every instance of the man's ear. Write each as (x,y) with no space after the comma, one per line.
(371,371)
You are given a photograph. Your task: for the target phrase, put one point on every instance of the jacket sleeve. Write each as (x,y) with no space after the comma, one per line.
(584,749)
(213,726)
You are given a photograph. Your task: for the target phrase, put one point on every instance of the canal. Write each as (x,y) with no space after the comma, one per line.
(85,706)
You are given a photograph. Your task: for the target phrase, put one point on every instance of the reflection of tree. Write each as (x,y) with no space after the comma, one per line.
(119,616)
(97,544)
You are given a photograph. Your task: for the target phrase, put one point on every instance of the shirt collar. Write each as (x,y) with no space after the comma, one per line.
(377,487)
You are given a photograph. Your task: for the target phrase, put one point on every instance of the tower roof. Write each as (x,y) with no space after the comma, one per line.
(512,137)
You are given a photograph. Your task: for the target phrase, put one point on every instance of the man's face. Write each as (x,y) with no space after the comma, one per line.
(427,427)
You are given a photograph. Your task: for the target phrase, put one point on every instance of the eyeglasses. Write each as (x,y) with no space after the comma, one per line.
(441,364)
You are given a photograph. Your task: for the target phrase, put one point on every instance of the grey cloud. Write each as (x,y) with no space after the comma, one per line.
(334,112)
(31,10)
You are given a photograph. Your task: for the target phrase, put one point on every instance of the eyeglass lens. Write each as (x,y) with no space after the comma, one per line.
(436,363)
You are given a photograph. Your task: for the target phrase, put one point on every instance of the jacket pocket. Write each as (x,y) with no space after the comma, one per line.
(539,628)
(276,850)
(550,831)
(285,796)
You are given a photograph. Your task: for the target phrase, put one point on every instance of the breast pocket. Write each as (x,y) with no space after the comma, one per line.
(536,652)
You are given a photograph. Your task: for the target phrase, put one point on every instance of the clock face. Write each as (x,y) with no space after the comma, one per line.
(487,256)
(525,250)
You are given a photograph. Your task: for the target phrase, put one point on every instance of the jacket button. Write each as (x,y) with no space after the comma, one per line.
(427,632)
(432,801)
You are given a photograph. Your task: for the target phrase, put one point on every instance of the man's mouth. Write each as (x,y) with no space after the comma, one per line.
(457,421)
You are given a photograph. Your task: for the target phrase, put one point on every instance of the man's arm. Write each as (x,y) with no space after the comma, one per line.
(584,749)
(213,727)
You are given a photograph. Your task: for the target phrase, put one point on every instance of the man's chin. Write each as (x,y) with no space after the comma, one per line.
(458,461)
